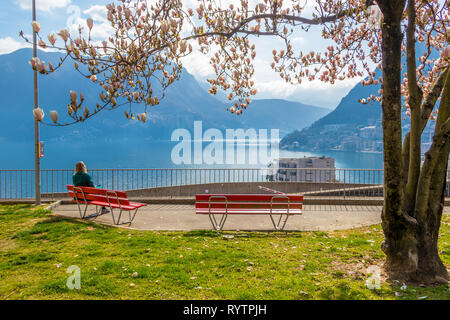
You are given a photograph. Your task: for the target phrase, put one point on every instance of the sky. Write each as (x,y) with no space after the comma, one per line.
(54,15)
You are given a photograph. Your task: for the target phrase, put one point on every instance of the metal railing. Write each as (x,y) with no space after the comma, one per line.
(19,184)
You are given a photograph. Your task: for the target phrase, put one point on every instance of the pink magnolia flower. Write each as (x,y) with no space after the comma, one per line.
(51,39)
(42,44)
(93,78)
(375,15)
(183,46)
(34,62)
(105,45)
(164,26)
(41,67)
(38,114)
(54,116)
(90,23)
(73,97)
(446,52)
(36,26)
(64,34)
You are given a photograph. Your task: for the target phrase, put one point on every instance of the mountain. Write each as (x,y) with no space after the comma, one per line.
(353,126)
(281,114)
(345,128)
(185,102)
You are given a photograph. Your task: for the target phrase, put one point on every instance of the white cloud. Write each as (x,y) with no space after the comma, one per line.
(102,27)
(43,5)
(298,41)
(8,45)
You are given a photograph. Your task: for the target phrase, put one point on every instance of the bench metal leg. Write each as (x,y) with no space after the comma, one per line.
(277,225)
(218,226)
(82,214)
(98,212)
(130,216)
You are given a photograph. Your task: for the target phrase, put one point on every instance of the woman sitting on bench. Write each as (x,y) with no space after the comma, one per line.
(82,179)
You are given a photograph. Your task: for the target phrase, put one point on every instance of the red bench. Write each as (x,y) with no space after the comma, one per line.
(225,204)
(111,199)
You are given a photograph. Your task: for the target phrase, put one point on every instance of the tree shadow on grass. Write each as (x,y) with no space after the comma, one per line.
(251,234)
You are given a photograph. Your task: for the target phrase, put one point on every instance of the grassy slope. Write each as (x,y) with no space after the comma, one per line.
(36,248)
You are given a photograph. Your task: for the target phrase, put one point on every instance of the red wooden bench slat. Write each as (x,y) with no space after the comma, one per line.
(120,194)
(252,205)
(248,211)
(106,198)
(100,197)
(247,197)
(94,197)
(137,204)
(248,204)
(114,205)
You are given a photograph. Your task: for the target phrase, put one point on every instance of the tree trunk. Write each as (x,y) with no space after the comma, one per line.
(430,198)
(400,243)
(410,219)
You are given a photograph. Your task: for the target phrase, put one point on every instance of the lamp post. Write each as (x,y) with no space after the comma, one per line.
(37,169)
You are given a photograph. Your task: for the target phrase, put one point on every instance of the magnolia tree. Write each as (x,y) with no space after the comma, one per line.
(133,66)
(364,34)
(152,36)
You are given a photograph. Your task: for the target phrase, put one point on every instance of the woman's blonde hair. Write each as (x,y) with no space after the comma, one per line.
(80,166)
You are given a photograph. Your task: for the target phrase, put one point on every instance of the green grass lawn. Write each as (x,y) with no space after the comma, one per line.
(36,248)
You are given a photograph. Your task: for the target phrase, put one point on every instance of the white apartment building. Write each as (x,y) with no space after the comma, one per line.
(306,169)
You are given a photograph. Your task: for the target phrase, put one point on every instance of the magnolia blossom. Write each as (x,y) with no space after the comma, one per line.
(42,44)
(54,116)
(446,52)
(144,117)
(51,39)
(73,97)
(165,26)
(90,23)
(375,15)
(34,62)
(183,46)
(38,114)
(40,66)
(93,78)
(64,34)
(36,26)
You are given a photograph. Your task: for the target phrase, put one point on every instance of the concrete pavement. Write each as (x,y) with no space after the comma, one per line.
(183,218)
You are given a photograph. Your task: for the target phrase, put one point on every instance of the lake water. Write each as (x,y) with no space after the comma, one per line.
(64,155)
(146,156)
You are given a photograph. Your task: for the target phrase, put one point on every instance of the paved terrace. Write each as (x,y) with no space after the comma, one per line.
(182,217)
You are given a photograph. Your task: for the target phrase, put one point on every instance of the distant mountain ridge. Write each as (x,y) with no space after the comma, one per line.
(352,126)
(185,102)
(342,125)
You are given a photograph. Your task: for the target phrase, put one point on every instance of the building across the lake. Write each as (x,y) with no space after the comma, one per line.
(306,169)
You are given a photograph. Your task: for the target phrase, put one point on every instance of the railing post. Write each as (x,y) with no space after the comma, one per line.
(344,183)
